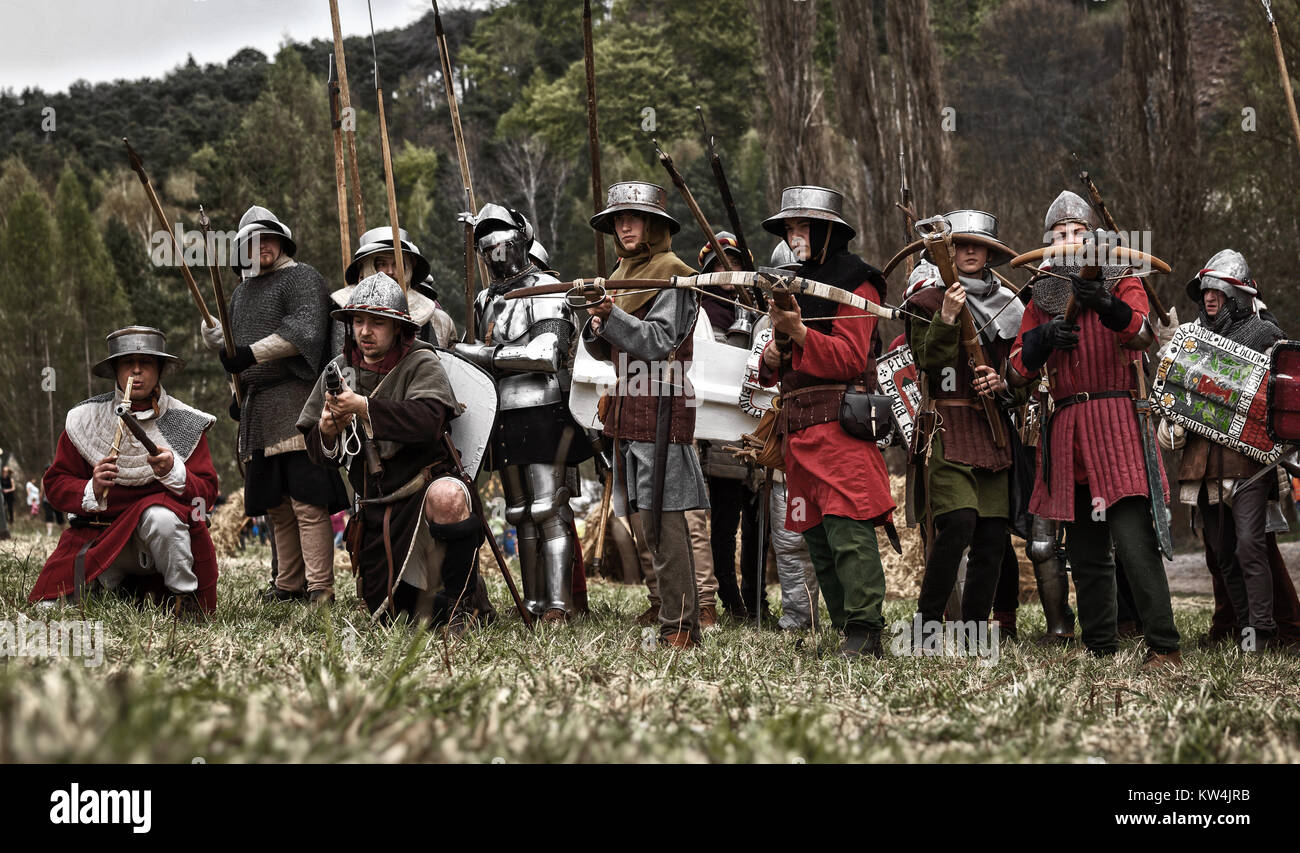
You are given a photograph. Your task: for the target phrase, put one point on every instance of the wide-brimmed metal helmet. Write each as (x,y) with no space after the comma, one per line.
(503,237)
(729,244)
(136,340)
(378,241)
(1070,207)
(809,203)
(379,296)
(979,227)
(635,197)
(259,220)
(1227,271)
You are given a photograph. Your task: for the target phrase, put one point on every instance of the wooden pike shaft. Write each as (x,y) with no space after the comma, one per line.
(598,557)
(593,133)
(219,294)
(340,182)
(399,259)
(116,450)
(724,261)
(349,134)
(462,157)
(1286,79)
(138,166)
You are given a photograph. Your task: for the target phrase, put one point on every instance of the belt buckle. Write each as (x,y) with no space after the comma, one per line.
(1083,397)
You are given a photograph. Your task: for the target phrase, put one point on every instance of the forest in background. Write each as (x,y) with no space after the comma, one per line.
(1175,107)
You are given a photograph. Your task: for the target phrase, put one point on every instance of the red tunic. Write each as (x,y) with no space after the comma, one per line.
(1095,442)
(827,471)
(65,484)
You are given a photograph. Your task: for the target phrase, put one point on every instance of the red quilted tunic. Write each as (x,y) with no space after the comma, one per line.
(1094,442)
(828,471)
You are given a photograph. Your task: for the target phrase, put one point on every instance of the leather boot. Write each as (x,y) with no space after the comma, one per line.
(649,617)
(1127,630)
(708,618)
(555,616)
(1157,662)
(1006,624)
(678,640)
(860,644)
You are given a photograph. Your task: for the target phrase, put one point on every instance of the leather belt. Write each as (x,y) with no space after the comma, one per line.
(1085,396)
(1045,442)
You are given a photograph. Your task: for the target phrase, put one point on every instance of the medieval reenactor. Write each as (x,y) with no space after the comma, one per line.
(1230,501)
(137,518)
(375,254)
(440,329)
(650,415)
(413,534)
(966,460)
(528,348)
(733,492)
(280,314)
(1092,463)
(838,486)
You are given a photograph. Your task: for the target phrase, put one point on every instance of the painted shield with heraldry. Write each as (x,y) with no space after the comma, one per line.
(477,395)
(1216,388)
(715,376)
(898,379)
(1284,392)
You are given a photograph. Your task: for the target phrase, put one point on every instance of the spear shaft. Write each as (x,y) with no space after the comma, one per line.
(349,133)
(593,132)
(138,165)
(399,259)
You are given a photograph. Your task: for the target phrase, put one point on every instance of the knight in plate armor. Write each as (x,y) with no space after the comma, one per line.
(527,346)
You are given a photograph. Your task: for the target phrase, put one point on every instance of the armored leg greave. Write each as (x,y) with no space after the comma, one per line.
(515,483)
(1045,553)
(550,489)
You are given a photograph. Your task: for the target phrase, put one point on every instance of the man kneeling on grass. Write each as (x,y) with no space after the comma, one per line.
(413,532)
(136,519)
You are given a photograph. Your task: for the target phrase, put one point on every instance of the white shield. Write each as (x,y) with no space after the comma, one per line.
(477,395)
(715,375)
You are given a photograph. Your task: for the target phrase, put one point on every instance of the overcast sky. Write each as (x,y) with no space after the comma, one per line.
(52,43)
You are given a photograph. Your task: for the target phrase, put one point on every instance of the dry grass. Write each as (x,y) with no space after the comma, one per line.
(286,683)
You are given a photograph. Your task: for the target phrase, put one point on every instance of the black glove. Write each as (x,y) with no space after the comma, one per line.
(1039,341)
(1089,292)
(239,362)
(1114,313)
(234,408)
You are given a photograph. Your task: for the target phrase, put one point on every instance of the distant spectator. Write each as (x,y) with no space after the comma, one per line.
(10,490)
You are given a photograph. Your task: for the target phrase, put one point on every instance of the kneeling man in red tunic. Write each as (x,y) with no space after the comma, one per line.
(132,513)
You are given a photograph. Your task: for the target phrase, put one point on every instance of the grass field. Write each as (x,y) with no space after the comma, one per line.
(287,683)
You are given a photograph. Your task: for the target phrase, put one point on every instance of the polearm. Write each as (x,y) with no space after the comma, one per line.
(399,259)
(462,157)
(905,205)
(138,166)
(723,259)
(724,190)
(593,133)
(467,219)
(1099,205)
(219,294)
(349,133)
(1281,67)
(340,183)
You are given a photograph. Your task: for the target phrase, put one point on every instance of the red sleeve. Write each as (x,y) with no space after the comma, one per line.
(65,481)
(200,476)
(1130,290)
(844,352)
(1032,319)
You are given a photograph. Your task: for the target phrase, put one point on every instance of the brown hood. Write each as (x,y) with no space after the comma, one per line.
(653,257)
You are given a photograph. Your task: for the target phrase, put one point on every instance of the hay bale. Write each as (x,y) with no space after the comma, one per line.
(225,524)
